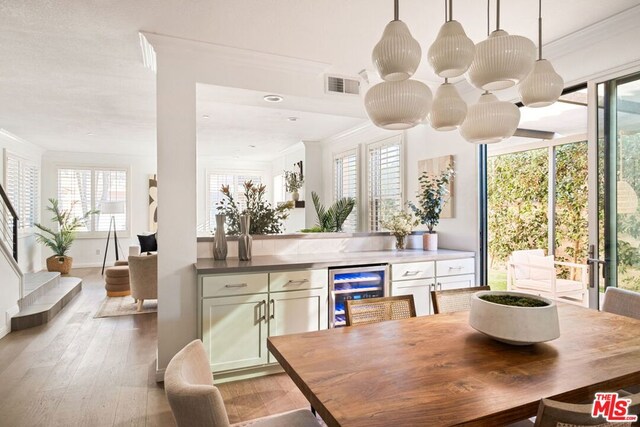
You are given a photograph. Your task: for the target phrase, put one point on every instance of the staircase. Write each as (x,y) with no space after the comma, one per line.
(46,293)
(35,297)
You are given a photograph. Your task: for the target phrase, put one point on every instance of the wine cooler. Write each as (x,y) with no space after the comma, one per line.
(354,283)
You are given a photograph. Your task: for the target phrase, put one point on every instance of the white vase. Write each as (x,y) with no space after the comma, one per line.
(295,196)
(430,241)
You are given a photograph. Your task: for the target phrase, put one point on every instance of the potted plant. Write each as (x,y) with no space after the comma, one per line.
(331,219)
(293,182)
(433,195)
(400,224)
(60,241)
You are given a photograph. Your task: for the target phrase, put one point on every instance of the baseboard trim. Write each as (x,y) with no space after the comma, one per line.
(6,328)
(160,375)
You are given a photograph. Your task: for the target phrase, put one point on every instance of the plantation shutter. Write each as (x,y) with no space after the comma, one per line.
(345,178)
(385,180)
(235,181)
(22,184)
(74,192)
(110,186)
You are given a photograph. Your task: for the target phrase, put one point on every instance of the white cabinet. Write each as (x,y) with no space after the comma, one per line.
(420,278)
(239,312)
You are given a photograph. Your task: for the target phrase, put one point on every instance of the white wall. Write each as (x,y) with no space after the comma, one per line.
(29,251)
(294,154)
(89,252)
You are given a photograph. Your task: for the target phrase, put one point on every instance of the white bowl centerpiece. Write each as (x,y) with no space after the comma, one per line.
(514,317)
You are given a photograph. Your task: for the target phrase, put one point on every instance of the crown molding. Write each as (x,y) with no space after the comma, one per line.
(10,136)
(234,55)
(148,54)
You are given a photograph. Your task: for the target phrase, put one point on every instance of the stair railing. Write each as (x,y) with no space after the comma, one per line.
(9,224)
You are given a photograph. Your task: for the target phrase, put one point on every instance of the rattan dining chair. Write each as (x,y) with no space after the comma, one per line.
(373,310)
(453,300)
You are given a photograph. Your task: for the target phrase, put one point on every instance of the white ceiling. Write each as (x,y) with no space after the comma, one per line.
(74,68)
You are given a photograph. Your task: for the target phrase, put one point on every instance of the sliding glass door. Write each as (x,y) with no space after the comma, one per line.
(614,164)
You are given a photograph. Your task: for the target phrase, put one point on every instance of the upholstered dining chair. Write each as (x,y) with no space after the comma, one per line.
(622,302)
(196,402)
(373,310)
(453,300)
(143,278)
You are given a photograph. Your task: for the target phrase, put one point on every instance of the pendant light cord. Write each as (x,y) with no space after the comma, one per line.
(539,29)
(488,17)
(396,10)
(450,10)
(497,14)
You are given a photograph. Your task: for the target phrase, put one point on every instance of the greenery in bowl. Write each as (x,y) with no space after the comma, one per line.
(514,301)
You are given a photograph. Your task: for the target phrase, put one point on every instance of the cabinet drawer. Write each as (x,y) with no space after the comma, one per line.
(455,267)
(412,271)
(234,284)
(298,280)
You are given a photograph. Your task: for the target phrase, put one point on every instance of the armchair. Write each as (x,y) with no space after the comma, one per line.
(143,276)
(531,272)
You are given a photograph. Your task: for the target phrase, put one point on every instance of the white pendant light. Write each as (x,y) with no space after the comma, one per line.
(451,53)
(490,120)
(448,109)
(398,105)
(543,86)
(397,54)
(502,60)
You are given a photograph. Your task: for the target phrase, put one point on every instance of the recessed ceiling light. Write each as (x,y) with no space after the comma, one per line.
(90,134)
(273,98)
(205,116)
(292,119)
(252,146)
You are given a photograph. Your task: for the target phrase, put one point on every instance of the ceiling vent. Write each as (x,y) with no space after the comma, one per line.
(343,85)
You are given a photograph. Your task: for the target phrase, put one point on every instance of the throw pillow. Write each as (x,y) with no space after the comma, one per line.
(148,242)
(545,270)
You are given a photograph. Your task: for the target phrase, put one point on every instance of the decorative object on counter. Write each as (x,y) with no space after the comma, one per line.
(514,318)
(245,241)
(293,182)
(220,239)
(60,241)
(433,195)
(265,219)
(400,224)
(331,219)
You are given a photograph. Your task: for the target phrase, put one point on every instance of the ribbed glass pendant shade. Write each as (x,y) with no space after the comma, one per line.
(451,53)
(627,198)
(542,87)
(448,110)
(501,61)
(397,54)
(490,120)
(398,105)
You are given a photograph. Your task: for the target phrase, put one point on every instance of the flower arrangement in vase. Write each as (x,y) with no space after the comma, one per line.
(293,182)
(400,224)
(432,196)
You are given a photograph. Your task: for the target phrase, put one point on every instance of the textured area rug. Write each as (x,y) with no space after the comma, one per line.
(124,306)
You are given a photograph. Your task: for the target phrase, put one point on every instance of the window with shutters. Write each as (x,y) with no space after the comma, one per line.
(345,183)
(82,189)
(22,181)
(235,180)
(384,174)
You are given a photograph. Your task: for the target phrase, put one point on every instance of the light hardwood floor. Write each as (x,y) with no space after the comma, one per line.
(81,371)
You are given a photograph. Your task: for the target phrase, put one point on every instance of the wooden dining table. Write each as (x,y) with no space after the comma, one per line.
(438,371)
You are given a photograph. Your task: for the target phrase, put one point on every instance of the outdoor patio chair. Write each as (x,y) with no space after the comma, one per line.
(531,272)
(373,310)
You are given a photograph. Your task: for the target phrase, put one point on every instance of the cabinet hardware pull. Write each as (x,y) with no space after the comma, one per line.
(236,285)
(273,309)
(263,316)
(412,273)
(456,268)
(296,282)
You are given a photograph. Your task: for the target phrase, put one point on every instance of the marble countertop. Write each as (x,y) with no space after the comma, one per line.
(323,260)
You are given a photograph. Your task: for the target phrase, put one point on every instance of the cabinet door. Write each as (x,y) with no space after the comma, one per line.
(455,282)
(421,291)
(297,311)
(234,331)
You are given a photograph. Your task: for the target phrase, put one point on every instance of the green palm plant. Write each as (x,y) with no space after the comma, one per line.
(332,219)
(60,241)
